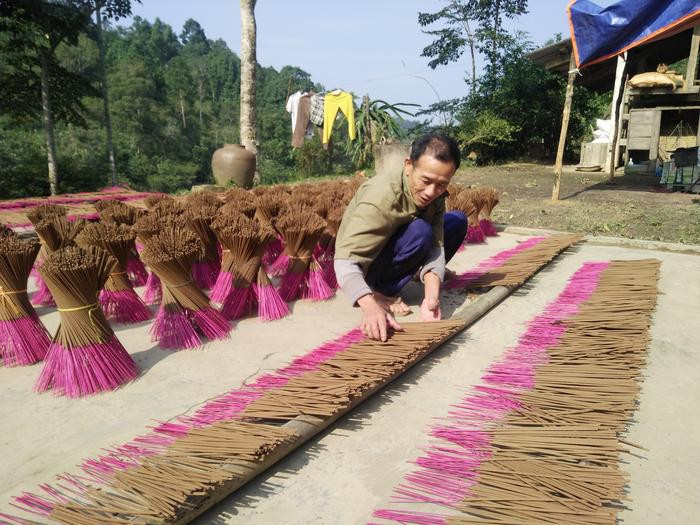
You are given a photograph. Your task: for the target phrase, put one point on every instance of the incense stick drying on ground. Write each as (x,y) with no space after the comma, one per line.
(184,310)
(243,283)
(118,299)
(85,356)
(303,278)
(23,339)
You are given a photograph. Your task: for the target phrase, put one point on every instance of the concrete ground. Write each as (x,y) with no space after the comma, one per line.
(349,471)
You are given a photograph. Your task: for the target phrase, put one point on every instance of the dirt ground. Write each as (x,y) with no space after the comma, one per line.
(632,206)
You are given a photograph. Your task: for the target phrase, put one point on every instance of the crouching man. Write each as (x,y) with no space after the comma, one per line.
(396,227)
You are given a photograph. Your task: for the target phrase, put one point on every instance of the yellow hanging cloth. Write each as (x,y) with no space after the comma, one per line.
(333,102)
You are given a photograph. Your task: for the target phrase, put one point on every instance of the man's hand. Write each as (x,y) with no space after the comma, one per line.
(376,320)
(430,309)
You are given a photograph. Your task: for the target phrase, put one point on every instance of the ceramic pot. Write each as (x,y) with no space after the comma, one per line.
(233,162)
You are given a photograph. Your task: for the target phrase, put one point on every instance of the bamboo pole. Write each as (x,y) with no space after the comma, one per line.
(564,128)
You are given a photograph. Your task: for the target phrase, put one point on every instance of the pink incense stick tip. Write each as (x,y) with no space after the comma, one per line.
(124,306)
(270,304)
(238,303)
(205,273)
(84,370)
(488,228)
(138,275)
(153,291)
(23,341)
(222,287)
(474,234)
(279,266)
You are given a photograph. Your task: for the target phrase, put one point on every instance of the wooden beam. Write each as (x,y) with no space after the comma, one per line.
(615,116)
(691,71)
(564,127)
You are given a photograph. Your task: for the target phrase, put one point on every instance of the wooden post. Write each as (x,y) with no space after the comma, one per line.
(691,71)
(615,115)
(564,127)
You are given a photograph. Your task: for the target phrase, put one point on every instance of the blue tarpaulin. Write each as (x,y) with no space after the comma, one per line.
(599,33)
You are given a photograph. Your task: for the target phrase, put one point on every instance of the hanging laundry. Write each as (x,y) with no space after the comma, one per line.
(292,107)
(302,127)
(334,101)
(317,109)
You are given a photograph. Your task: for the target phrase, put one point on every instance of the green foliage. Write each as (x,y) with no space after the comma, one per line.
(174,101)
(376,122)
(488,135)
(169,176)
(23,161)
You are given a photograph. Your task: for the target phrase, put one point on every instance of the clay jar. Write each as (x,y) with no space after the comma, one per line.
(233,162)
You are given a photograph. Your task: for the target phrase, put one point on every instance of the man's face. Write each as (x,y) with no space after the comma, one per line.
(428,178)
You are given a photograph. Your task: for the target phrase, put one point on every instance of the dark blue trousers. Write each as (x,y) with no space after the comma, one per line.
(408,249)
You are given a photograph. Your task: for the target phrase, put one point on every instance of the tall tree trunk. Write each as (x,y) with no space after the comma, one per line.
(248,61)
(105,98)
(470,40)
(47,118)
(182,109)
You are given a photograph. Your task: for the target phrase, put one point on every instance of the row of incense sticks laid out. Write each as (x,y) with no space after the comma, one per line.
(181,471)
(14,213)
(515,265)
(540,441)
(337,371)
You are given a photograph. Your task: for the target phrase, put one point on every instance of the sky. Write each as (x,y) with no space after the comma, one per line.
(367,47)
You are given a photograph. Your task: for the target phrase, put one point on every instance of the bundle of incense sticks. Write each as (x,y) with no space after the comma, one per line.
(327,245)
(120,213)
(55,232)
(303,277)
(118,299)
(184,308)
(489,197)
(453,191)
(267,207)
(475,234)
(23,339)
(85,356)
(540,440)
(145,228)
(463,202)
(42,297)
(243,283)
(199,216)
(203,197)
(155,198)
(239,195)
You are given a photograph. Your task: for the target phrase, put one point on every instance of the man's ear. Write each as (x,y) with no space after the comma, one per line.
(407,165)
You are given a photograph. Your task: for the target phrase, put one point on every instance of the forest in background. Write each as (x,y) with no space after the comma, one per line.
(174,99)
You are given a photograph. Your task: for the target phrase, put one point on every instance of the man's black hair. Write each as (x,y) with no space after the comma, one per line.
(437,145)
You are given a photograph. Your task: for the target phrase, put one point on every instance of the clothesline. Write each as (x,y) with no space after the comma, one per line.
(319,109)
